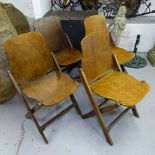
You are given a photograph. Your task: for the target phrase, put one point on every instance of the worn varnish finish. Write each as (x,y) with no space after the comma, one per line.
(94,23)
(57,40)
(36,74)
(121,87)
(106,79)
(57,82)
(98,23)
(30,62)
(93,51)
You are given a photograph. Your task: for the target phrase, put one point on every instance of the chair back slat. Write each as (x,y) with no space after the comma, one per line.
(51,29)
(97,55)
(28,56)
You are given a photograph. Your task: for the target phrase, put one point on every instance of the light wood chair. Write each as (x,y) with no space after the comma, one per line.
(57,40)
(98,23)
(36,74)
(101,74)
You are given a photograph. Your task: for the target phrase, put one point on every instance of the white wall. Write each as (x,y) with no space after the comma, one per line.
(147,37)
(141,9)
(41,7)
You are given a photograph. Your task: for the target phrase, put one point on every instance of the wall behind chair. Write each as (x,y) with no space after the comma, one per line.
(41,7)
(145,29)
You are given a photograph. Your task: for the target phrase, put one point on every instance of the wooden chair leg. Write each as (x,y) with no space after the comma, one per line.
(34,119)
(33,110)
(27,107)
(76,105)
(96,109)
(101,120)
(135,112)
(103,126)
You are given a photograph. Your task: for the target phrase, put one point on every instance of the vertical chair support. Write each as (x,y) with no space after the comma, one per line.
(68,39)
(76,105)
(96,109)
(135,112)
(34,120)
(27,107)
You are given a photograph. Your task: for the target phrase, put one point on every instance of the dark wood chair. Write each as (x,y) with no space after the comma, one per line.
(57,40)
(98,23)
(36,74)
(101,74)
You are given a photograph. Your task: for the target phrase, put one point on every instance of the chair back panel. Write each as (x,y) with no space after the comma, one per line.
(28,56)
(96,23)
(97,55)
(51,29)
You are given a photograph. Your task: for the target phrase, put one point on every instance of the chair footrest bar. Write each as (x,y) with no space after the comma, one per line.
(118,118)
(108,108)
(102,109)
(57,116)
(92,112)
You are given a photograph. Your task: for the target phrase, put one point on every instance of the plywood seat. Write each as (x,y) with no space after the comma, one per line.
(68,56)
(51,89)
(123,56)
(121,87)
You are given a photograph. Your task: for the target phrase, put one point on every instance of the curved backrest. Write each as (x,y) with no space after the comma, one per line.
(97,55)
(51,29)
(28,56)
(96,23)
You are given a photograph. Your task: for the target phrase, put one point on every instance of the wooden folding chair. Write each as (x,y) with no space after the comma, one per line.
(58,41)
(102,75)
(36,74)
(98,23)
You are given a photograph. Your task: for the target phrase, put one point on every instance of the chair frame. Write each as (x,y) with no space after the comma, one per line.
(99,109)
(31,111)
